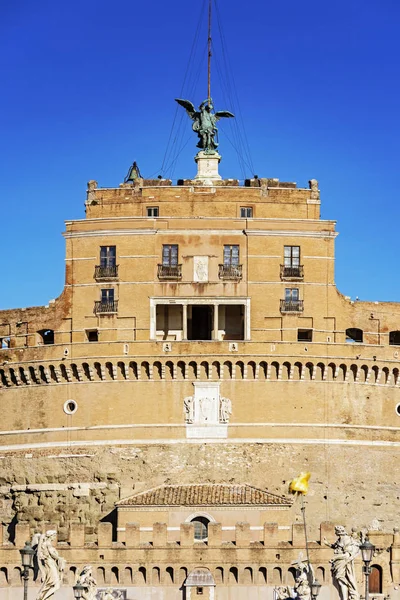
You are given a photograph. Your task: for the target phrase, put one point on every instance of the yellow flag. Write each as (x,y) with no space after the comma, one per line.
(299,485)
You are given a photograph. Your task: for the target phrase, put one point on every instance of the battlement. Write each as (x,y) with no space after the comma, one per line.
(289,539)
(261,197)
(162,561)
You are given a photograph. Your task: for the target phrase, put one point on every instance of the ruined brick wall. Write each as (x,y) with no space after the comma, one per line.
(54,487)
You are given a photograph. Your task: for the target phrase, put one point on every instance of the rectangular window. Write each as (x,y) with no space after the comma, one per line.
(152,211)
(92,335)
(246,212)
(108,256)
(231,256)
(291,294)
(107,296)
(170,255)
(304,335)
(291,256)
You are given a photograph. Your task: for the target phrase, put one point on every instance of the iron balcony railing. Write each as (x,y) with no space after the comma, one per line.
(230,272)
(292,306)
(292,272)
(169,272)
(106,272)
(102,307)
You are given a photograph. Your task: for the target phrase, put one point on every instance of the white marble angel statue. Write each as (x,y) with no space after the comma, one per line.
(86,579)
(303,578)
(50,564)
(345,550)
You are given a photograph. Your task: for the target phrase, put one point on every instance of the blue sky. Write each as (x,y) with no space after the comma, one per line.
(87,87)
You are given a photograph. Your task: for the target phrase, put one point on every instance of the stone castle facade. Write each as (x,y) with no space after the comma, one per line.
(199,339)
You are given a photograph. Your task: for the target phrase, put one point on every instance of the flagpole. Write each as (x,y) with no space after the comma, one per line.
(303,510)
(209,52)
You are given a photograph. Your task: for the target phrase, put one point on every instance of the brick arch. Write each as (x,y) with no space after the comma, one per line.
(157,370)
(193,370)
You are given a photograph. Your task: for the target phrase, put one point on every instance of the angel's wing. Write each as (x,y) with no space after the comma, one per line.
(188,106)
(223,113)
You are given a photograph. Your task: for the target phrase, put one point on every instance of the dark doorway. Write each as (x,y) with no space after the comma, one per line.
(199,322)
(375,580)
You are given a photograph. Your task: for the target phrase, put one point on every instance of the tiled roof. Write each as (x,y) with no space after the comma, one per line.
(205,494)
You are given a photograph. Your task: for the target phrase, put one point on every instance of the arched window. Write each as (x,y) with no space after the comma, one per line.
(394,338)
(354,335)
(47,336)
(200,528)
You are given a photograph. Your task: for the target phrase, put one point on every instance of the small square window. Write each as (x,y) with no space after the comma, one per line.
(246,212)
(5,342)
(199,591)
(92,335)
(304,335)
(152,211)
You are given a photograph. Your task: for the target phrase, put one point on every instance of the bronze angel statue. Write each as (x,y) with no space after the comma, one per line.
(205,122)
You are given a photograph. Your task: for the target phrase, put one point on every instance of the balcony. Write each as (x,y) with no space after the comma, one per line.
(230,272)
(169,272)
(292,273)
(106,273)
(292,306)
(105,307)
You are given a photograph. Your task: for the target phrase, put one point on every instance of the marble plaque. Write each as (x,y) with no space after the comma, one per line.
(200,269)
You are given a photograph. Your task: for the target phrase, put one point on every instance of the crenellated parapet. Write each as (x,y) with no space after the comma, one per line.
(172,553)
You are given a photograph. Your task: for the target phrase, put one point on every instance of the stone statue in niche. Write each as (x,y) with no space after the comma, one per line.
(188,405)
(345,550)
(86,579)
(225,409)
(51,565)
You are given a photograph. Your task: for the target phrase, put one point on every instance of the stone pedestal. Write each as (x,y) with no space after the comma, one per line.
(207,167)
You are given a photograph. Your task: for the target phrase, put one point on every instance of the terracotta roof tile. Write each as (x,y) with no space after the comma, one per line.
(205,494)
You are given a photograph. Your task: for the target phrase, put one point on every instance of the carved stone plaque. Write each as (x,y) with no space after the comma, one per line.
(200,269)
(206,412)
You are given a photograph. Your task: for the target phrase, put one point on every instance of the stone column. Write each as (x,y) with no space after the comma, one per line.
(184,321)
(216,307)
